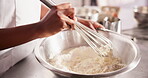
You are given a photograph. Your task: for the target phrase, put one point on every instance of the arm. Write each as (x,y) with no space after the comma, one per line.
(49,25)
(10,37)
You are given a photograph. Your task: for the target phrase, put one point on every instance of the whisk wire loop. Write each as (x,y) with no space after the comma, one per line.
(94,39)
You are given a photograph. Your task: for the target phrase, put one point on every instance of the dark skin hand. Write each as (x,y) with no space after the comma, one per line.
(88,23)
(51,24)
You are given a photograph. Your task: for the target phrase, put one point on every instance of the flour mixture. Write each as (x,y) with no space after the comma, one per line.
(84,60)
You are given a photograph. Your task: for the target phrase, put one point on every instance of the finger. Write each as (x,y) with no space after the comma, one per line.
(84,22)
(65,26)
(72,27)
(62,6)
(89,23)
(97,25)
(66,18)
(92,26)
(70,13)
(68,21)
(75,18)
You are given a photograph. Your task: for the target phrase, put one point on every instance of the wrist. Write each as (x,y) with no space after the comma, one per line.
(41,30)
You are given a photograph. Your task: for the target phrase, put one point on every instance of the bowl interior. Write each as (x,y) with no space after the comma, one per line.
(51,46)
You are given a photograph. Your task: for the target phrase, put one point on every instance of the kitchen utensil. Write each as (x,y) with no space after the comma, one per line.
(126,49)
(112,23)
(141,15)
(94,39)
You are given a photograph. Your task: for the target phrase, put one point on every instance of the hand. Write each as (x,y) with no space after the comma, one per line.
(62,17)
(54,21)
(91,24)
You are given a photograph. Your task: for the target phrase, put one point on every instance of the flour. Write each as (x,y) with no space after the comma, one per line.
(84,60)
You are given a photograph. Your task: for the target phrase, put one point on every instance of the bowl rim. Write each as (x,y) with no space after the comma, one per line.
(125,69)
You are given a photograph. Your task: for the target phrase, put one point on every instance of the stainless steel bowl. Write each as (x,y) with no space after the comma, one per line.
(125,49)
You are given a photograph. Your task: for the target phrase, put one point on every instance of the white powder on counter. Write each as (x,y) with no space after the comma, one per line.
(84,60)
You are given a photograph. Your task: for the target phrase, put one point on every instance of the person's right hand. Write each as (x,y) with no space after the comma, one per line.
(54,21)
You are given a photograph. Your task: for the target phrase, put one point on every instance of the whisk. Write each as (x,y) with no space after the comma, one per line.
(94,39)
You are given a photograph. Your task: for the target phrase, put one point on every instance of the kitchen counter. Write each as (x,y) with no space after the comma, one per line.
(30,67)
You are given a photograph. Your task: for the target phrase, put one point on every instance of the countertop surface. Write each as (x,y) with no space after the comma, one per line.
(31,68)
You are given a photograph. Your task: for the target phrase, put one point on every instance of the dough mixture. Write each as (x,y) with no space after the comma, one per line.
(84,60)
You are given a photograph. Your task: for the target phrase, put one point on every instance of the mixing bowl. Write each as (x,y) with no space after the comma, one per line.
(51,46)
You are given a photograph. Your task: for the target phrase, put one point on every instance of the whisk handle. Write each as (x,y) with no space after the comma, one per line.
(48,3)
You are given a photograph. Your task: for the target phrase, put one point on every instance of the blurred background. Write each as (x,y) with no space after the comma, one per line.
(125,12)
(128,17)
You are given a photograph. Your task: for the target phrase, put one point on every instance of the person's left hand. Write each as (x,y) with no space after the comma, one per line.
(91,24)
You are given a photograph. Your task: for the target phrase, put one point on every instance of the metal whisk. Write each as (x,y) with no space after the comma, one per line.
(94,39)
